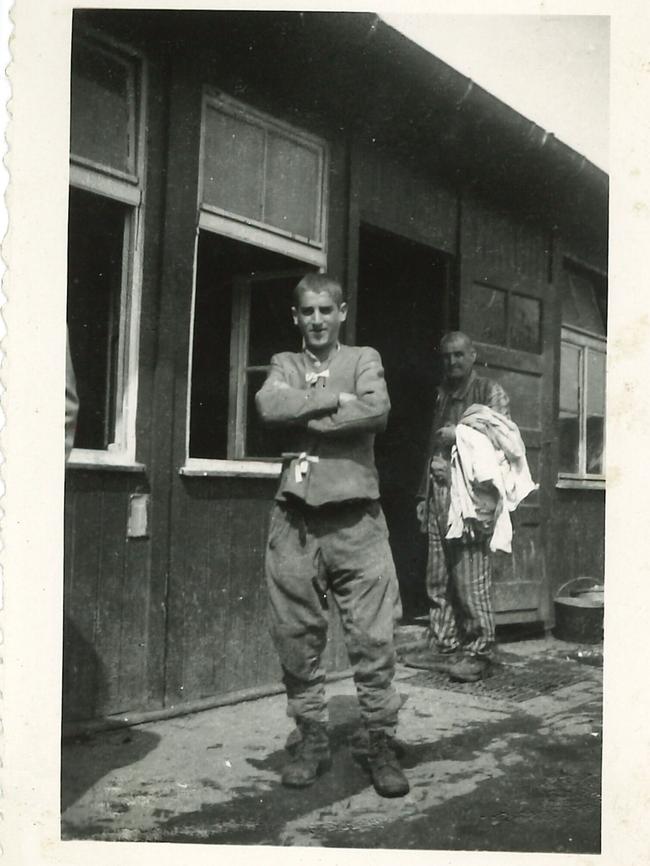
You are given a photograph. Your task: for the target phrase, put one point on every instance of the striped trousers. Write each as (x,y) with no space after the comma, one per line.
(459,584)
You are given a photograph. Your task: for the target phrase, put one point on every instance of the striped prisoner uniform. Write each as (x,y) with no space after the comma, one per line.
(459,571)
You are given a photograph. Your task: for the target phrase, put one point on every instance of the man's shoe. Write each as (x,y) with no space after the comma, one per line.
(470,668)
(309,757)
(382,762)
(430,660)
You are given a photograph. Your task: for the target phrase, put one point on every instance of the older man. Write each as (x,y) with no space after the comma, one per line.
(459,572)
(328,532)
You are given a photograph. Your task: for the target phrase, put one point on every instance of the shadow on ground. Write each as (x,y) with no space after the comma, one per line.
(87,759)
(548,800)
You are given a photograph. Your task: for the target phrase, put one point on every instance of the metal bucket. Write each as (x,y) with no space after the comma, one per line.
(579,609)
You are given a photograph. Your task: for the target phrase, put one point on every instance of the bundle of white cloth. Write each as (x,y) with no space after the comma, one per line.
(489,454)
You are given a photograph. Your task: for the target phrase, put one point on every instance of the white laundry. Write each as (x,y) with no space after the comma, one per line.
(475,460)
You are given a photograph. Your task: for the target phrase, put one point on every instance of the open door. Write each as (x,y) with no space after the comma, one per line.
(401,303)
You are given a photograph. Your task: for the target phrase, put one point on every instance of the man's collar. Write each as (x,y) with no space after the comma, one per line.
(315,360)
(461,391)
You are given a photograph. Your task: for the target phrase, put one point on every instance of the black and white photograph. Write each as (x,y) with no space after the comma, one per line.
(333,296)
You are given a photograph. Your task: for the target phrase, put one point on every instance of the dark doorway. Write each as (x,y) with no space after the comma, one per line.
(401,313)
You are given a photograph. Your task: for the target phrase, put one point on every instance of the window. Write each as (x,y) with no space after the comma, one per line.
(262,181)
(582,379)
(262,226)
(242,316)
(105,212)
(502,318)
(582,406)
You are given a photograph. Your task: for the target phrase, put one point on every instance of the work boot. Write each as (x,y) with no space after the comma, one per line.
(309,757)
(430,659)
(382,763)
(470,668)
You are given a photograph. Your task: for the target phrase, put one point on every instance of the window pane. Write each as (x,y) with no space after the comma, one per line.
(525,321)
(251,169)
(96,232)
(210,384)
(263,441)
(271,326)
(224,268)
(569,422)
(233,164)
(271,330)
(484,314)
(102,114)
(292,186)
(595,412)
(580,305)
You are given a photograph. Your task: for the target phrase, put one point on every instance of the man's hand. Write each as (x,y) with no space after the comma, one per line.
(344,398)
(446,435)
(441,470)
(421,514)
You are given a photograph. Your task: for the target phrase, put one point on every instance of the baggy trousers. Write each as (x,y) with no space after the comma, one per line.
(343,548)
(459,584)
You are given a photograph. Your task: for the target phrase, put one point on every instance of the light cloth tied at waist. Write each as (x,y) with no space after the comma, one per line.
(301,463)
(312,376)
(301,466)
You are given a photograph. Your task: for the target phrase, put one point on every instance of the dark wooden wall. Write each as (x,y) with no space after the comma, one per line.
(107,599)
(576,535)
(114,587)
(577,530)
(179,615)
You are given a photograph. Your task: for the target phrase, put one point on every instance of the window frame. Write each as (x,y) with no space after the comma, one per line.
(259,233)
(304,251)
(523,288)
(237,463)
(585,341)
(130,190)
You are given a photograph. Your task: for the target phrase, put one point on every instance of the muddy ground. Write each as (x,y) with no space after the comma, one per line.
(510,766)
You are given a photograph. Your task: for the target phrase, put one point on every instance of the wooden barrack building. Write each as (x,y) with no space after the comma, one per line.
(216,157)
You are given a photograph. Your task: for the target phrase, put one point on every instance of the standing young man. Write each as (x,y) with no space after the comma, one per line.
(459,571)
(328,532)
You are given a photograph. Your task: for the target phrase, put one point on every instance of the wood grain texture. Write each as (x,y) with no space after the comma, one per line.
(107,601)
(402,198)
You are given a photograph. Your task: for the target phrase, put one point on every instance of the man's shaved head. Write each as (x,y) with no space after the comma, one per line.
(456,336)
(458,356)
(313,282)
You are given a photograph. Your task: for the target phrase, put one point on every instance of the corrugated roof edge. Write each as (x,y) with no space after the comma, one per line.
(470,92)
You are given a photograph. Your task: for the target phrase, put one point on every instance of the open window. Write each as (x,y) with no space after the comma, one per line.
(582,380)
(262,226)
(242,316)
(105,211)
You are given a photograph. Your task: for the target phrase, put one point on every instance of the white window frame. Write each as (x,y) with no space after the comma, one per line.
(308,251)
(129,189)
(585,341)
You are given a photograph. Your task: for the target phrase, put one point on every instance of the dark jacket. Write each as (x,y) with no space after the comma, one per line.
(449,407)
(341,437)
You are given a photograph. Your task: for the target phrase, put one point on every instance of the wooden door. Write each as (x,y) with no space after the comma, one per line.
(505,307)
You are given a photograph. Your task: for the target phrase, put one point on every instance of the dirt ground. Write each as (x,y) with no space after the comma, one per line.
(510,765)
